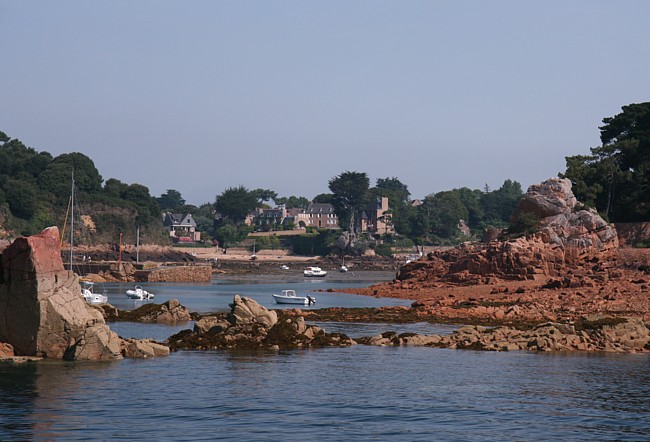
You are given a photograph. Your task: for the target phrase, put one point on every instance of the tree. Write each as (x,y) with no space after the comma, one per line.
(22,197)
(115,188)
(264,195)
(615,178)
(57,175)
(498,205)
(170,200)
(16,159)
(350,190)
(235,203)
(145,204)
(323,198)
(395,186)
(293,201)
(398,201)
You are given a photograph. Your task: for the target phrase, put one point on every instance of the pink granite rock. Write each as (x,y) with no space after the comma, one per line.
(42,310)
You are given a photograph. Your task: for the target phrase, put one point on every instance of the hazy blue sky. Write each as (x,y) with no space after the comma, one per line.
(199,96)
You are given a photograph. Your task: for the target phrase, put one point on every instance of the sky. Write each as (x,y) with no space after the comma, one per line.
(204,95)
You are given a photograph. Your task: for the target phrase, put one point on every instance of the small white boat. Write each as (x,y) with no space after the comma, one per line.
(90,296)
(139,294)
(289,297)
(343,269)
(314,272)
(284,267)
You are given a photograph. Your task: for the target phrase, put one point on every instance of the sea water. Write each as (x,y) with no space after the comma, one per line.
(352,393)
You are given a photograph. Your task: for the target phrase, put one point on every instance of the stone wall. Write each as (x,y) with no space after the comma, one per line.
(199,273)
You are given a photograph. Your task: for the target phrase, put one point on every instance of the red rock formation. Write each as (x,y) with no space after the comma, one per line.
(566,238)
(43,313)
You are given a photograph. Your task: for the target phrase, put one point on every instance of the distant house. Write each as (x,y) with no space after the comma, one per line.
(274,217)
(377,217)
(181,227)
(318,215)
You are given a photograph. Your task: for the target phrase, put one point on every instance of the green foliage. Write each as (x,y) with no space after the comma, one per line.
(393,187)
(22,197)
(526,224)
(319,243)
(293,201)
(230,234)
(267,242)
(16,159)
(384,250)
(57,175)
(350,190)
(324,198)
(497,206)
(615,178)
(204,215)
(264,195)
(37,188)
(235,203)
(171,200)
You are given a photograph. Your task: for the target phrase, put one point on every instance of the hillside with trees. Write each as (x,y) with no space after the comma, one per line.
(35,190)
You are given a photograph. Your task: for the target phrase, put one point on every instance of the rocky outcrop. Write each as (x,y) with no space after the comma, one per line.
(169,312)
(197,273)
(566,237)
(246,311)
(42,312)
(143,348)
(252,326)
(595,333)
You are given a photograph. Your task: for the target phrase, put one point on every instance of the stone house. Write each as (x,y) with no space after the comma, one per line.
(377,217)
(182,227)
(321,215)
(274,217)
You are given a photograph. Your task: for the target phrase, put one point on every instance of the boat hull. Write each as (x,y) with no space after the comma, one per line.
(299,300)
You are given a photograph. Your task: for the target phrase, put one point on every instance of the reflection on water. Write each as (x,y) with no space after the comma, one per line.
(358,392)
(364,393)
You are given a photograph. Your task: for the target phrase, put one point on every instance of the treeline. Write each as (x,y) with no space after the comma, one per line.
(35,187)
(35,190)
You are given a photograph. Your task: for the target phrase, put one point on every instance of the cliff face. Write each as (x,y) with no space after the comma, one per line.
(566,237)
(42,312)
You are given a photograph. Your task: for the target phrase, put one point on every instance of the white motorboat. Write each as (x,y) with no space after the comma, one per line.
(289,297)
(90,296)
(343,269)
(314,272)
(139,294)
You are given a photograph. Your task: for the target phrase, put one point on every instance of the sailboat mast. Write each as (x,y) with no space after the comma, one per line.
(137,245)
(72,220)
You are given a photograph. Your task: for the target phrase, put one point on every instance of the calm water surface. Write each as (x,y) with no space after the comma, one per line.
(356,393)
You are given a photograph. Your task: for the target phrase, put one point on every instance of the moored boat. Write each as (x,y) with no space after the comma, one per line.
(314,272)
(90,296)
(290,297)
(139,294)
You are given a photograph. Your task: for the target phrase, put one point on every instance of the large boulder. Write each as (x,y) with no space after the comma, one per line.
(566,237)
(42,312)
(563,223)
(246,311)
(552,197)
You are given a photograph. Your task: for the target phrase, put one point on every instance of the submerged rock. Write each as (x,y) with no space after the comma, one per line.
(596,333)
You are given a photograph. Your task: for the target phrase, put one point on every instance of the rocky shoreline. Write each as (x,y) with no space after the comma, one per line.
(565,287)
